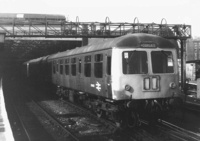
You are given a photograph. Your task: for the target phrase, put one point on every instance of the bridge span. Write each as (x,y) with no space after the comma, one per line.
(56,26)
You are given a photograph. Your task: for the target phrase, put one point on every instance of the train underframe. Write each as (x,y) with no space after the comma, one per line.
(125,113)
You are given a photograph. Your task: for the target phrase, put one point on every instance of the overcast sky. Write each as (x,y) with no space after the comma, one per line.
(147,11)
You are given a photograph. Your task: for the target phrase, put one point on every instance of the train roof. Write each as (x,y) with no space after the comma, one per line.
(31,16)
(127,41)
(37,60)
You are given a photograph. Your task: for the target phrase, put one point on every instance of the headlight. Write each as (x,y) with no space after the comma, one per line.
(172,85)
(128,88)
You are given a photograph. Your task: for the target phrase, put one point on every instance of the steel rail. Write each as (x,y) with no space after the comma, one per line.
(55,120)
(180,131)
(87,112)
(12,104)
(126,133)
(174,131)
(21,122)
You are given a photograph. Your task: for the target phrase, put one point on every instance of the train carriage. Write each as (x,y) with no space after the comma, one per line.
(31,17)
(142,68)
(135,72)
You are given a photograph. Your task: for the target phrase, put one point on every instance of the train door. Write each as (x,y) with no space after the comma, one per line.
(99,74)
(107,76)
(61,74)
(87,86)
(66,72)
(79,74)
(55,72)
(73,83)
(58,73)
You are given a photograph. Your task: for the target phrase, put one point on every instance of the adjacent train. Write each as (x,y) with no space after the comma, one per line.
(31,17)
(121,78)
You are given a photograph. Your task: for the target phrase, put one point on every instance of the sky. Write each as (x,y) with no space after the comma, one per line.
(147,11)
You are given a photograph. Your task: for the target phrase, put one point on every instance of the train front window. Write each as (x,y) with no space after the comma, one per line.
(162,62)
(135,62)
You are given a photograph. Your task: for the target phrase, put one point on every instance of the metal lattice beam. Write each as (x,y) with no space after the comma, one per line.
(60,29)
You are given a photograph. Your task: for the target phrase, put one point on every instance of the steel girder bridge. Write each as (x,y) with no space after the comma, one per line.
(17,27)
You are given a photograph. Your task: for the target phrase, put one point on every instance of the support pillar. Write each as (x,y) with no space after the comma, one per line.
(198,88)
(183,64)
(2,39)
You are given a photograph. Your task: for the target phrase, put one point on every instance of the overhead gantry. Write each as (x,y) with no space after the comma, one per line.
(20,27)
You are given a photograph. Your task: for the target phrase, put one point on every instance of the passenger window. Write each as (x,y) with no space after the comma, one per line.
(98,66)
(73,66)
(61,66)
(87,66)
(109,65)
(67,66)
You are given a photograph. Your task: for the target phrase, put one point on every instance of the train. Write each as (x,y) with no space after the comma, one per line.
(31,17)
(193,70)
(192,74)
(121,79)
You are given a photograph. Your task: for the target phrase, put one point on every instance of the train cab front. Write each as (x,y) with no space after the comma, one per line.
(145,76)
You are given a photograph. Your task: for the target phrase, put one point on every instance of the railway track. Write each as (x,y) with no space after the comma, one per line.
(52,125)
(20,131)
(68,122)
(25,126)
(129,134)
(167,131)
(178,132)
(73,122)
(110,125)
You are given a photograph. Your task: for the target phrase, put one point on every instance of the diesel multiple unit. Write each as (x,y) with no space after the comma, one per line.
(120,78)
